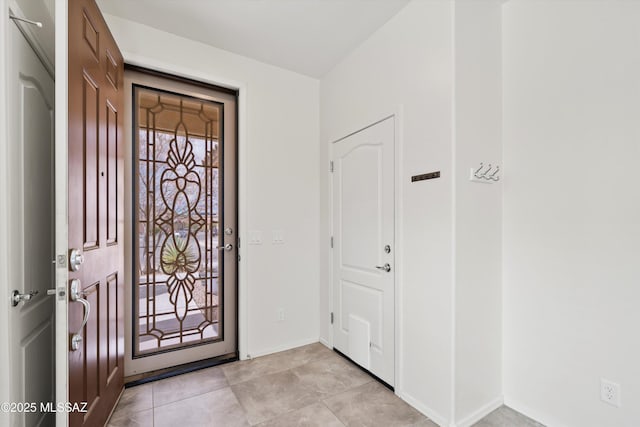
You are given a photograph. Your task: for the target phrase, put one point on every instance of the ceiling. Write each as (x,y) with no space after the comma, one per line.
(306,36)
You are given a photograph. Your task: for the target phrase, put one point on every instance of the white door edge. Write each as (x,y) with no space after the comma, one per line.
(397,211)
(61,221)
(4,244)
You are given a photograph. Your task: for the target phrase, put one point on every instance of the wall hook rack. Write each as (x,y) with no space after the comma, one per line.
(485,174)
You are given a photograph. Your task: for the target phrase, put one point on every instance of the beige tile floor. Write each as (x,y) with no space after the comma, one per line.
(307,386)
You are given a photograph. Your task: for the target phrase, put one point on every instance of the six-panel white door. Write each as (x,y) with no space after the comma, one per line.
(31,146)
(363,254)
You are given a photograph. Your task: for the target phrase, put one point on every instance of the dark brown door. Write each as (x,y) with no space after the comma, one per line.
(96,371)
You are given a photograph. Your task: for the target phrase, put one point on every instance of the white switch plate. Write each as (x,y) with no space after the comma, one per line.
(278,237)
(255,237)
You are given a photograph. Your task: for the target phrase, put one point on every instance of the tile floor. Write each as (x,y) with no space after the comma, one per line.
(306,386)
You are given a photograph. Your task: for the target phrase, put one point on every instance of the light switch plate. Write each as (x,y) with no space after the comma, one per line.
(255,237)
(278,237)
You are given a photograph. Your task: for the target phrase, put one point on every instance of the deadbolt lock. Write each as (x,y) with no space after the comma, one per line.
(76,259)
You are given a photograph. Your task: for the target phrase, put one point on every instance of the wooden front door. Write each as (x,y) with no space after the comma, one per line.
(95,186)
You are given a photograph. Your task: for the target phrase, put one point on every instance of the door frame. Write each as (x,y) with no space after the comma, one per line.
(396,113)
(4,226)
(242,186)
(146,364)
(62,197)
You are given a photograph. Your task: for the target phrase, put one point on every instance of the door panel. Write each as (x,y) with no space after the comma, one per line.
(363,225)
(96,368)
(31,91)
(184,200)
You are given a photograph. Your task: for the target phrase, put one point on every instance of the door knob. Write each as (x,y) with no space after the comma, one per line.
(228,247)
(76,259)
(17,297)
(385,267)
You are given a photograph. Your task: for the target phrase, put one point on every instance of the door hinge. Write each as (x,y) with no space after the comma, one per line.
(331,242)
(331,166)
(331,318)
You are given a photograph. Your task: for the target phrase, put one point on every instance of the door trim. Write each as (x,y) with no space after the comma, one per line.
(61,221)
(397,113)
(4,226)
(137,60)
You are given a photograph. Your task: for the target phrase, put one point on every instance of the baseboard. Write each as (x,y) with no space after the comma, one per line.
(326,343)
(534,414)
(480,413)
(283,347)
(424,409)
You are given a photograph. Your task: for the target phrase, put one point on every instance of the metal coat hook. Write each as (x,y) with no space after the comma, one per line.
(485,174)
(28,21)
(493,175)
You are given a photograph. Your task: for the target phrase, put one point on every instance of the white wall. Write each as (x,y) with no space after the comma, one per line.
(572,209)
(280,179)
(406,62)
(478,210)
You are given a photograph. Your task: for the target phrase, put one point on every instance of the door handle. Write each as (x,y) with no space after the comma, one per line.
(228,247)
(17,297)
(385,267)
(76,295)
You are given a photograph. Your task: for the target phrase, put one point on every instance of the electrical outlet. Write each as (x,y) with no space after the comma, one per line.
(281,316)
(610,392)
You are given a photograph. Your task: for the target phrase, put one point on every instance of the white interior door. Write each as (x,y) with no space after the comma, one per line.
(363,254)
(31,219)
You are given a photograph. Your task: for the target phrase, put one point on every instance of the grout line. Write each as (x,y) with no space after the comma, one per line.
(192,396)
(312,359)
(244,410)
(334,414)
(153,405)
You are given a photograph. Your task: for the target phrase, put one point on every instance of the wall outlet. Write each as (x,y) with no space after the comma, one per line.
(610,392)
(280,314)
